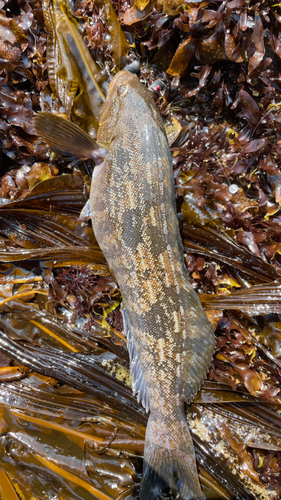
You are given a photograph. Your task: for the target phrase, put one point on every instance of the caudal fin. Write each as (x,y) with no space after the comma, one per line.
(170,471)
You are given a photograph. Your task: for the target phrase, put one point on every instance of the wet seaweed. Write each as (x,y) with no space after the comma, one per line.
(69,425)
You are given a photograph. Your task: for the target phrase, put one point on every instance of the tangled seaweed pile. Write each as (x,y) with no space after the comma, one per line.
(69,425)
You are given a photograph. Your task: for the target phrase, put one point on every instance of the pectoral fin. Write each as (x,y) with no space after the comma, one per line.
(66,137)
(139,385)
(85,213)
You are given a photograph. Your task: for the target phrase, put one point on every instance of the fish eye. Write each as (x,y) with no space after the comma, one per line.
(122,90)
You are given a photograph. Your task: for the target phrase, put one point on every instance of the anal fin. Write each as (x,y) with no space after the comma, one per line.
(202,346)
(139,385)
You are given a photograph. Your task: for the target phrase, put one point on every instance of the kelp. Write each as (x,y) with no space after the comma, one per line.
(105,37)
(69,425)
(41,229)
(72,370)
(40,235)
(224,248)
(73,75)
(85,434)
(22,42)
(118,42)
(259,299)
(67,256)
(73,418)
(228,33)
(232,433)
(64,194)
(243,361)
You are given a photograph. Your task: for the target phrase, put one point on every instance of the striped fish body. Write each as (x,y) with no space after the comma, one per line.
(169,336)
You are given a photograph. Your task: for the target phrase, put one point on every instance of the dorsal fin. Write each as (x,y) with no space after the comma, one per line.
(139,385)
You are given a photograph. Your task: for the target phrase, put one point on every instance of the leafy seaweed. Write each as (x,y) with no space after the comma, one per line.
(69,425)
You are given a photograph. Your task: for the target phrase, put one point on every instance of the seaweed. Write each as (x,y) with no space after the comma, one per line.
(69,424)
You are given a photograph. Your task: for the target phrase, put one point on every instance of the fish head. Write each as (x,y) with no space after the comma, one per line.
(127,101)
(119,90)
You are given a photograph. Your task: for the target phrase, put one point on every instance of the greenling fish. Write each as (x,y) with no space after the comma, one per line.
(170,339)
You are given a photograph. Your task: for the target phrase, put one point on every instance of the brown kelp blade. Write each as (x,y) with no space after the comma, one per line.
(65,136)
(41,229)
(259,299)
(64,194)
(84,373)
(236,431)
(118,42)
(65,256)
(215,242)
(218,469)
(47,404)
(6,488)
(73,74)
(45,236)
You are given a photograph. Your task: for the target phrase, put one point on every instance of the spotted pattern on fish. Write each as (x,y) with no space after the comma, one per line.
(135,223)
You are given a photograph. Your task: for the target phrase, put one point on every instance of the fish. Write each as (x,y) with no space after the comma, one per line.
(170,339)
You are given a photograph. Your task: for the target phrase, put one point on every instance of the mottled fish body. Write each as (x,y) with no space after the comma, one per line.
(170,339)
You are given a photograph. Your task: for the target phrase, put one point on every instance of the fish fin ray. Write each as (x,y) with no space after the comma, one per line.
(64,135)
(85,213)
(138,385)
(167,469)
(201,350)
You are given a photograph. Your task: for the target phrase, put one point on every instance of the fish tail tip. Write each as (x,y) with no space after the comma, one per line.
(169,472)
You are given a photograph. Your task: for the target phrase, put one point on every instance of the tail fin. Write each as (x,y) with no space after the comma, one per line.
(170,471)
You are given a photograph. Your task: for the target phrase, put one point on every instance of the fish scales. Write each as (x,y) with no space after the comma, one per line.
(170,340)
(135,223)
